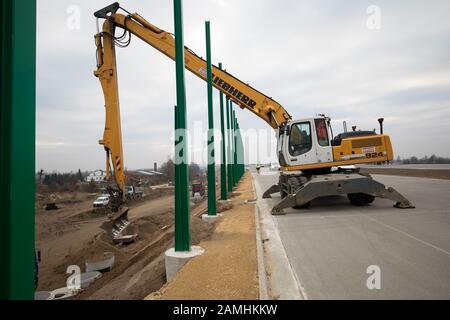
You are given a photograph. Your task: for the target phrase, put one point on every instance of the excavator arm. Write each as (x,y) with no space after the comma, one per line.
(240,93)
(112,135)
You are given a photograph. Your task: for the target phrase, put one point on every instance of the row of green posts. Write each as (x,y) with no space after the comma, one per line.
(232,149)
(232,167)
(17,165)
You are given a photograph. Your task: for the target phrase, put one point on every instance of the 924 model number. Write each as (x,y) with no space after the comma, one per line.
(374,155)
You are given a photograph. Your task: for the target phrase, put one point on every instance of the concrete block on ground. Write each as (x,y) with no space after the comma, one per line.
(176,260)
(210,219)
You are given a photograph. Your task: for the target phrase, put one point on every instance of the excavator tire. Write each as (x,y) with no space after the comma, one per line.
(294,183)
(282,182)
(360,199)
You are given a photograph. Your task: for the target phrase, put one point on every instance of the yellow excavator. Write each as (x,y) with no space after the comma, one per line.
(313,163)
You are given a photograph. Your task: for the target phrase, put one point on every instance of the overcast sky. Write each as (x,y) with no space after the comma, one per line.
(311,56)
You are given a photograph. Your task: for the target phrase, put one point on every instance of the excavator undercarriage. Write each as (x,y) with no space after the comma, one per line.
(297,189)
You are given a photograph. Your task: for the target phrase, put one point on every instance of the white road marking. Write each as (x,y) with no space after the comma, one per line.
(378,212)
(409,235)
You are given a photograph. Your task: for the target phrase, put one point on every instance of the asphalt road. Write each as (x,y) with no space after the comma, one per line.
(445,166)
(331,244)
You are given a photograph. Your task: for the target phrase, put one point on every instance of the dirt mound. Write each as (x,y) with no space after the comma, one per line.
(200,230)
(144,271)
(139,267)
(153,223)
(73,234)
(224,206)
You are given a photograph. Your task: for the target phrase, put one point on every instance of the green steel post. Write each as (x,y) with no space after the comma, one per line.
(17,148)
(233,148)
(223,163)
(229,148)
(176,177)
(241,153)
(238,151)
(182,232)
(211,161)
(236,165)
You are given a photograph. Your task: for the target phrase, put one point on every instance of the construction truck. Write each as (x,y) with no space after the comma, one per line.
(198,188)
(313,163)
(133,192)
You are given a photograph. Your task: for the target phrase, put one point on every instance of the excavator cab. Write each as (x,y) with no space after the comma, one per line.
(309,145)
(314,165)
(305,142)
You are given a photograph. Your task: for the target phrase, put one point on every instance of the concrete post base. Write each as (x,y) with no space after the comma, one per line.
(174,261)
(210,219)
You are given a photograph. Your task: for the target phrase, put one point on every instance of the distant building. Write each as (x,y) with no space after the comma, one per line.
(96,176)
(143,177)
(149,173)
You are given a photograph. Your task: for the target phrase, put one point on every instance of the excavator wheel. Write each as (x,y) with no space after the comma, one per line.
(360,199)
(294,183)
(305,206)
(282,182)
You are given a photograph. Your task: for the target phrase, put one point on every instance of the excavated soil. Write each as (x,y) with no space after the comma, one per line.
(71,235)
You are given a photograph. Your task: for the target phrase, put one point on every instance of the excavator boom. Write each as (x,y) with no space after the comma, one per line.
(240,93)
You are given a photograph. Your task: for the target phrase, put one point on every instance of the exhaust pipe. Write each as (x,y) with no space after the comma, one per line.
(381,125)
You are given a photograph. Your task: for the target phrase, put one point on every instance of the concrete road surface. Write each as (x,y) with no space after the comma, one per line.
(445,166)
(331,245)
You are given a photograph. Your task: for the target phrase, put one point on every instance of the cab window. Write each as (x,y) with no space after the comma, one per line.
(279,146)
(322,132)
(300,138)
